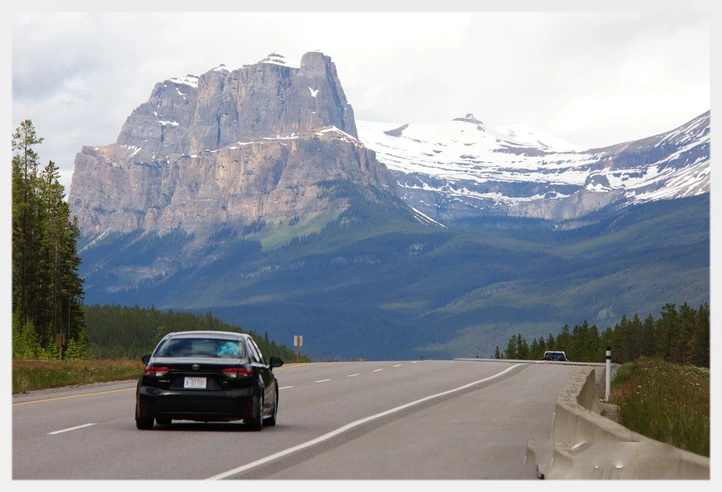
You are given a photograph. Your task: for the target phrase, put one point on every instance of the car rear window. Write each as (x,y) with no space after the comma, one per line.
(201,347)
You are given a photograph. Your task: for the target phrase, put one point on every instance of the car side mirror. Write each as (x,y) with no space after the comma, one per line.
(146,359)
(276,362)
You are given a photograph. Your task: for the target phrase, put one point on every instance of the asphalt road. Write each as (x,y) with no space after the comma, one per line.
(349,420)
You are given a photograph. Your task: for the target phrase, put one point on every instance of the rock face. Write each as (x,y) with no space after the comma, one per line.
(227,149)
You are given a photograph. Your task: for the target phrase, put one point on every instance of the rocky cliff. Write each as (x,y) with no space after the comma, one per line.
(227,149)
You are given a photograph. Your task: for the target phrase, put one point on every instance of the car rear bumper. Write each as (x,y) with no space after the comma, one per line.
(234,404)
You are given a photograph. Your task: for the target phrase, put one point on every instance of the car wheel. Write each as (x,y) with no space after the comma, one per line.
(255,422)
(271,421)
(163,420)
(144,422)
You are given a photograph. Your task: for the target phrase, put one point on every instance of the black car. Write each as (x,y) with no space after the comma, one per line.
(207,376)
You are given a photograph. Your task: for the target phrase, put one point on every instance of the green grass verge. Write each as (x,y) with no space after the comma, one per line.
(665,401)
(43,374)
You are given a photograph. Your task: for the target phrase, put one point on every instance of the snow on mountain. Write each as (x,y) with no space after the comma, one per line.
(276,59)
(462,168)
(536,138)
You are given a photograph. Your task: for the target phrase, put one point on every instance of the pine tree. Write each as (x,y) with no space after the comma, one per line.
(510,352)
(24,215)
(47,290)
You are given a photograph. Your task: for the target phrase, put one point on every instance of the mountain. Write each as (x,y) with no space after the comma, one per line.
(228,149)
(463,169)
(253,193)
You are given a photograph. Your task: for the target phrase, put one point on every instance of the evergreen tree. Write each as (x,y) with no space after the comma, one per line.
(25,212)
(699,341)
(648,348)
(46,289)
(510,352)
(664,331)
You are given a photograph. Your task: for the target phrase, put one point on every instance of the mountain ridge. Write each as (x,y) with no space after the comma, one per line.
(461,168)
(446,239)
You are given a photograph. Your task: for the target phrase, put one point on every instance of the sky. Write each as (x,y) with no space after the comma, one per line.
(593,79)
(627,70)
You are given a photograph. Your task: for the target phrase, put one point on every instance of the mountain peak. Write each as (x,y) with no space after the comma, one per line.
(275,59)
(469,118)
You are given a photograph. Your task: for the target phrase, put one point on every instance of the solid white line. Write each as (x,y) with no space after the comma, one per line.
(353,375)
(347,427)
(68,430)
(377,370)
(285,387)
(322,381)
(398,365)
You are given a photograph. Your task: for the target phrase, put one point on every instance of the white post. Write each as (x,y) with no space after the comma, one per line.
(609,373)
(298,343)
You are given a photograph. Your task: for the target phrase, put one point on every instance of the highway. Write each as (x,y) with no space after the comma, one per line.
(421,419)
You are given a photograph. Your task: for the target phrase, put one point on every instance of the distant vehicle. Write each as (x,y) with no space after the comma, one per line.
(207,376)
(557,355)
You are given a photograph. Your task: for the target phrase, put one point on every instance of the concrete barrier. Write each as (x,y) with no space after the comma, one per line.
(589,446)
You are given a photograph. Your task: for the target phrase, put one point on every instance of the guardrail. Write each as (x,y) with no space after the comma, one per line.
(590,446)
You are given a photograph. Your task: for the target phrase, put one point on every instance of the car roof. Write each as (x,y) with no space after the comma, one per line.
(206,334)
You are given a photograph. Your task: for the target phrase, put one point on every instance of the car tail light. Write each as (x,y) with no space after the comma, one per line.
(237,372)
(157,371)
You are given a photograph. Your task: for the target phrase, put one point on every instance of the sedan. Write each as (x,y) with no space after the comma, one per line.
(207,376)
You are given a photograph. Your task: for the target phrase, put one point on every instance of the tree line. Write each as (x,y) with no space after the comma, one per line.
(122,332)
(47,292)
(679,335)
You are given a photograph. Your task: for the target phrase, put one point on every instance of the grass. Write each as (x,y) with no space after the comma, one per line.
(43,374)
(666,402)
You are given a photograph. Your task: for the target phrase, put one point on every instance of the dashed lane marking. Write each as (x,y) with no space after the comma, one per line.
(70,429)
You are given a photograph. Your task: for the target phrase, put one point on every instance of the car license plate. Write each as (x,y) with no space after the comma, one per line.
(195,383)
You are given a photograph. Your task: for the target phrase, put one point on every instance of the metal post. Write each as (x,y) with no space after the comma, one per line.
(609,373)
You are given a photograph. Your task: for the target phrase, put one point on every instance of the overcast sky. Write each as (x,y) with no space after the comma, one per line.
(593,79)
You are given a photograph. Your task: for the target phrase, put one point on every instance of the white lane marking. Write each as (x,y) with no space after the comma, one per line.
(414,361)
(285,387)
(347,427)
(68,430)
(377,370)
(353,375)
(322,381)
(398,365)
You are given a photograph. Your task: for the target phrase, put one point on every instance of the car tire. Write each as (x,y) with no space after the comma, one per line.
(144,422)
(271,421)
(255,422)
(163,420)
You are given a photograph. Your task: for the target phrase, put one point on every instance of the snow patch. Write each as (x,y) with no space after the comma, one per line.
(423,218)
(189,80)
(276,59)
